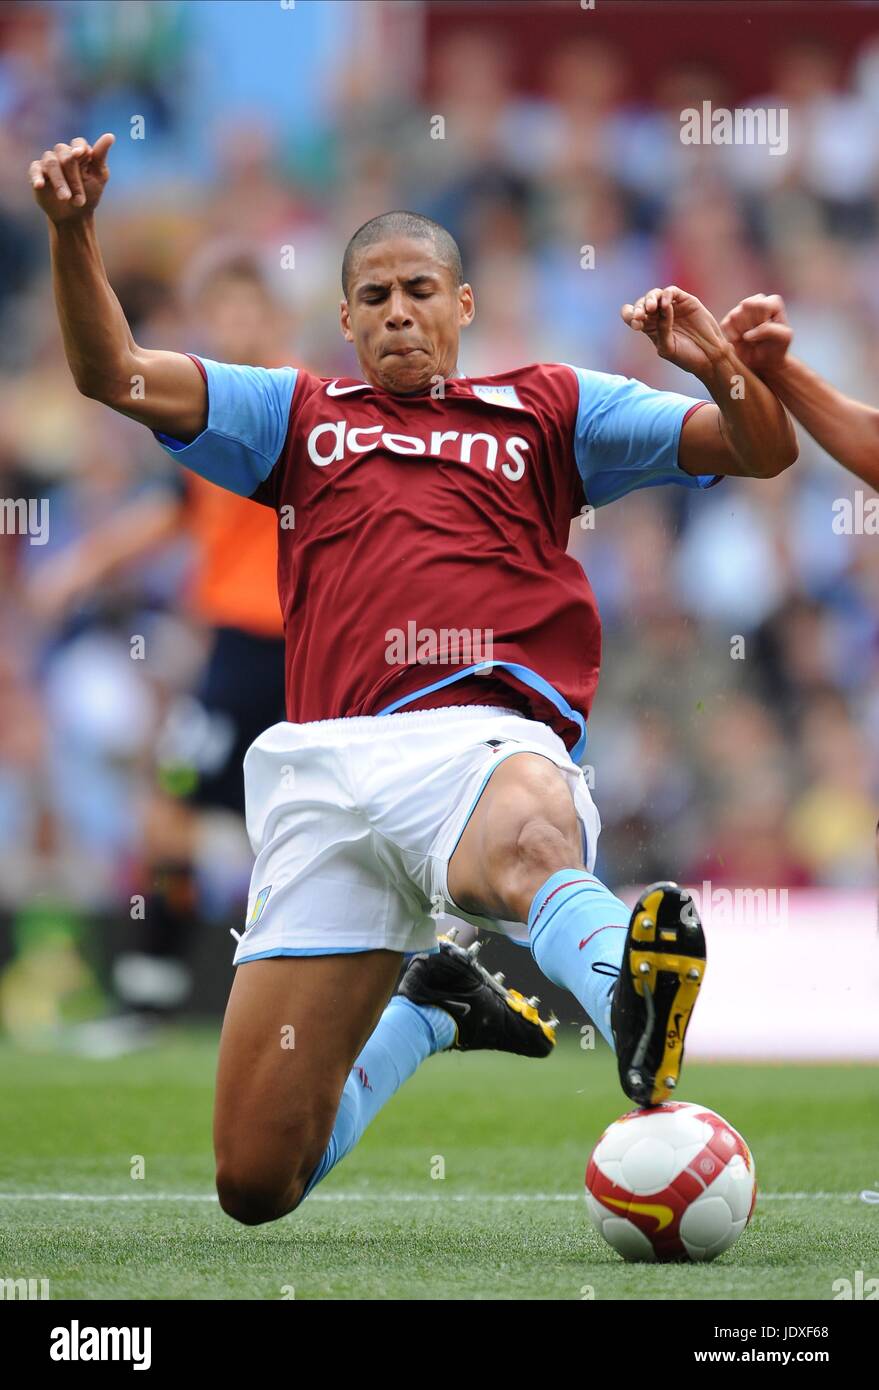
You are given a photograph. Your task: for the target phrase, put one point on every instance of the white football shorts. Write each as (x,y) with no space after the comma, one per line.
(353,823)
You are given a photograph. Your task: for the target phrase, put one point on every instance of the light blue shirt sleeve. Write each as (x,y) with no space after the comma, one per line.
(248,415)
(627,435)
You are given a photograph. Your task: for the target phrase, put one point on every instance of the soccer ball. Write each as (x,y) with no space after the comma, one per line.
(674,1182)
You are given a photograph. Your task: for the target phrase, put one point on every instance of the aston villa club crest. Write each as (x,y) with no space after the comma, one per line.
(262,898)
(499,395)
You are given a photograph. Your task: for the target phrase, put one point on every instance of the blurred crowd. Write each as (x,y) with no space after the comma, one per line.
(735,732)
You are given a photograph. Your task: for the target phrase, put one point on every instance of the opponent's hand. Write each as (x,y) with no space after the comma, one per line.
(69,180)
(759,332)
(679,327)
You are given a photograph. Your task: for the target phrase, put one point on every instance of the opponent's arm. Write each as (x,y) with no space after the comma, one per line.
(747,433)
(761,336)
(163,390)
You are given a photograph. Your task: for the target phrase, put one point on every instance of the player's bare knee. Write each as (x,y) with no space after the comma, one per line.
(530,831)
(542,847)
(251,1201)
(254,1201)
(253,1197)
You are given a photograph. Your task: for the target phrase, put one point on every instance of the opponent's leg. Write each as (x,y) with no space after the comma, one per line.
(637,976)
(303,1069)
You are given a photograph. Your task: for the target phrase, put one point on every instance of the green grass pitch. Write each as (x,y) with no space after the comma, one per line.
(507,1220)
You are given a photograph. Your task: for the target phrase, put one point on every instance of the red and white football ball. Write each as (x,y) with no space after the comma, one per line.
(675,1182)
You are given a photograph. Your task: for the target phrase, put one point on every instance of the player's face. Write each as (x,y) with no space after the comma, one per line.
(404,315)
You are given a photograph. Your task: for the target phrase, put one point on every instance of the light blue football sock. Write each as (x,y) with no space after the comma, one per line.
(577,931)
(404,1037)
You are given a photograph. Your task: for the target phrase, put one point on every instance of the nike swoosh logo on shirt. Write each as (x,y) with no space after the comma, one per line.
(334,389)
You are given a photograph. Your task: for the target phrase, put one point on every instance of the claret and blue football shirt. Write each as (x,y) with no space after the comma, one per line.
(421,539)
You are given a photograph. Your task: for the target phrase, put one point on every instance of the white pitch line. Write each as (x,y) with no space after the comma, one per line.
(340,1197)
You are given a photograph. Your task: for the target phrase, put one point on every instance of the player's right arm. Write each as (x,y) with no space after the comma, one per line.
(849,430)
(163,390)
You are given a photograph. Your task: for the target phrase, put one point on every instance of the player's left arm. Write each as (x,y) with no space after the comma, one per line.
(747,433)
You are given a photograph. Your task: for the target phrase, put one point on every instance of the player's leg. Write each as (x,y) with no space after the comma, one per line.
(151,978)
(520,858)
(309,1052)
(293,1098)
(303,1069)
(239,694)
(523,832)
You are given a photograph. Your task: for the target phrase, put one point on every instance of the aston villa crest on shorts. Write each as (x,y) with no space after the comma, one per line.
(262,898)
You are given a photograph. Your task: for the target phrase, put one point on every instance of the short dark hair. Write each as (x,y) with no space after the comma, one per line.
(401,223)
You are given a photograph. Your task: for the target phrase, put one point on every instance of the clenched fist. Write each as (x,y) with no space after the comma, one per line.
(69,180)
(759,332)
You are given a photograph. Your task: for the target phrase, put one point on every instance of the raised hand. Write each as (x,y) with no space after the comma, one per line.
(679,327)
(69,180)
(759,332)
